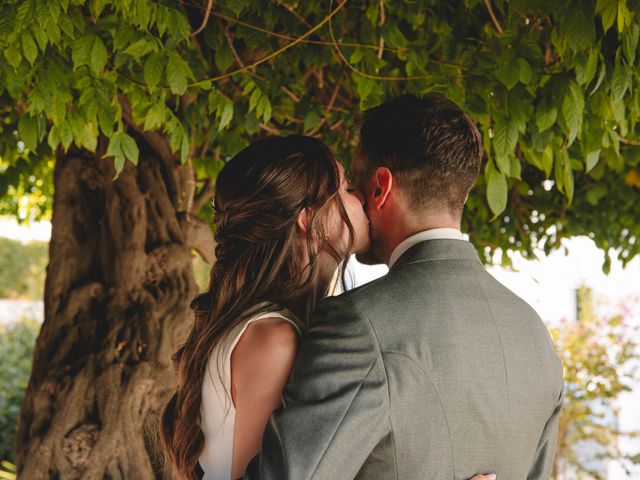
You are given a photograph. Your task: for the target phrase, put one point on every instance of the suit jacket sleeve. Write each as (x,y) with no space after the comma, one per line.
(335,407)
(545,453)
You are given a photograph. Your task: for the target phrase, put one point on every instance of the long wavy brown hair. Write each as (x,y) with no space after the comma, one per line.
(259,195)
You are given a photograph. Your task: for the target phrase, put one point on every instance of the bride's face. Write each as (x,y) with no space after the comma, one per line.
(353,202)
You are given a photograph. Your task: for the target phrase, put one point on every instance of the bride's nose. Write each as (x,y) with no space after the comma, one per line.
(359,195)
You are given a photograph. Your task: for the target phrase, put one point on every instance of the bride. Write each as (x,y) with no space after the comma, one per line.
(286,219)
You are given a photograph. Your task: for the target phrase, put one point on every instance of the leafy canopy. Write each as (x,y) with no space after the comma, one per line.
(553,85)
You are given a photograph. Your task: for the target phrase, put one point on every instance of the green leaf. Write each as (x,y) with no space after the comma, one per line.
(155,116)
(81,50)
(89,137)
(178,25)
(41,38)
(619,81)
(255,97)
(98,58)
(12,53)
(573,109)
(184,150)
(508,71)
(515,168)
(153,68)
(585,71)
(53,31)
(505,137)
(77,122)
(568,181)
(608,10)
(630,40)
(53,139)
(28,129)
(223,58)
(130,149)
(266,114)
(579,25)
(547,160)
(497,190)
(311,120)
(592,159)
(58,110)
(524,71)
(546,115)
(139,48)
(624,15)
(29,47)
(66,135)
(227,114)
(7,21)
(601,75)
(122,147)
(504,164)
(177,72)
(356,56)
(595,194)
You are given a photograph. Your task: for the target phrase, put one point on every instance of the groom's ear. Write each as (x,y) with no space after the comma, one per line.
(382,185)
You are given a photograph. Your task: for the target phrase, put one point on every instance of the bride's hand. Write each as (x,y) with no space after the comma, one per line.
(486,476)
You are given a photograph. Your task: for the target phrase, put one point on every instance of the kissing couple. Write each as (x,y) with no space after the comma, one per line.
(435,371)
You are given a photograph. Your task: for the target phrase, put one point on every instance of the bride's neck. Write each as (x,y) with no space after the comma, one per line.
(318,289)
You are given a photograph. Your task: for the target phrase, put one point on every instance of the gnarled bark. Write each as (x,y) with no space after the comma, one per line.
(119,282)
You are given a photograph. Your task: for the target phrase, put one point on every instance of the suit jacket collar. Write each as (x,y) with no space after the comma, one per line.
(438,249)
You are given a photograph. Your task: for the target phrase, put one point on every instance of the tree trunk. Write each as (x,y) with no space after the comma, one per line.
(118,287)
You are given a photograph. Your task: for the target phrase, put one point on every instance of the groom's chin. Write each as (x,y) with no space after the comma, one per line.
(368,258)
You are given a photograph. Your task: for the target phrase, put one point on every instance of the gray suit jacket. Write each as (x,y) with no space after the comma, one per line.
(435,371)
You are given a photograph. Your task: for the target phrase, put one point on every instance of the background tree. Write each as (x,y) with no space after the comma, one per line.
(23,269)
(141,102)
(16,351)
(599,353)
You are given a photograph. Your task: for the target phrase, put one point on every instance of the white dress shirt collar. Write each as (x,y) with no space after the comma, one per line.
(433,234)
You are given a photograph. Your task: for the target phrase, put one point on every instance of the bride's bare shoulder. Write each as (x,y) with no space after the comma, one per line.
(268,344)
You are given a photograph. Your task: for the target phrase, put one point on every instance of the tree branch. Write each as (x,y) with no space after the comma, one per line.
(198,235)
(205,20)
(493,16)
(277,52)
(204,195)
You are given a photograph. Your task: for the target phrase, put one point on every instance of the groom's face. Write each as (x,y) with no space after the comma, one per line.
(362,178)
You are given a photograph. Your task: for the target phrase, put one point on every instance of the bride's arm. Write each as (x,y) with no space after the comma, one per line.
(260,366)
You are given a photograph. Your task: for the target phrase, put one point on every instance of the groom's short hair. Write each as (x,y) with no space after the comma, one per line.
(433,149)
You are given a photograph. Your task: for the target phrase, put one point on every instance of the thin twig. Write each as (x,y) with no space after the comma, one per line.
(232,48)
(290,38)
(271,130)
(360,72)
(493,16)
(332,101)
(290,94)
(291,10)
(277,52)
(205,20)
(626,141)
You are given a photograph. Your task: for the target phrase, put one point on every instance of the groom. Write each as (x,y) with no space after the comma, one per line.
(435,371)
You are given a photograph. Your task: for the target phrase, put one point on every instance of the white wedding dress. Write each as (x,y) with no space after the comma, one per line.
(217,412)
